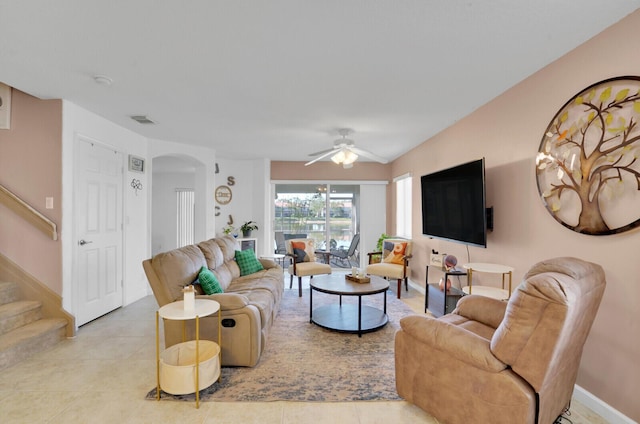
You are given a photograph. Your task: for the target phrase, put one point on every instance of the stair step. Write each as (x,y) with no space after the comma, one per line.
(27,340)
(17,314)
(8,292)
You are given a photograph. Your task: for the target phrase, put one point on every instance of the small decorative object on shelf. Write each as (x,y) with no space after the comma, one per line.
(247,227)
(189,293)
(441,284)
(449,265)
(450,262)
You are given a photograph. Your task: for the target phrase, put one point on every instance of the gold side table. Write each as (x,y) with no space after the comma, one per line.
(176,311)
(496,293)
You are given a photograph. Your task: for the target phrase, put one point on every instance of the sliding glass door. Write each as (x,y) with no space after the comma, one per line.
(327,213)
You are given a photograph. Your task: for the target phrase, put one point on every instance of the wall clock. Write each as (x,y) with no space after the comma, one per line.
(223,194)
(588,163)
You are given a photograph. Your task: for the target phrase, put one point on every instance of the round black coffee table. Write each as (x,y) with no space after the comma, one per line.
(348,318)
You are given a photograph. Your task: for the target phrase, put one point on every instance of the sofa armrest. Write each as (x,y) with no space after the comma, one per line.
(453,340)
(483,309)
(227,301)
(268,263)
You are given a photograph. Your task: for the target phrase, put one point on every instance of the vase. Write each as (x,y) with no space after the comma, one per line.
(246,234)
(441,284)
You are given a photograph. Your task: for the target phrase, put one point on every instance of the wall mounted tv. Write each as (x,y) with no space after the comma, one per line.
(453,204)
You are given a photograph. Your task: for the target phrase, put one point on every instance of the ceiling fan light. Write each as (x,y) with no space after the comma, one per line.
(338,158)
(350,157)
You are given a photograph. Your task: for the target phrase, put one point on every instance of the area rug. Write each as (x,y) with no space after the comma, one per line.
(304,362)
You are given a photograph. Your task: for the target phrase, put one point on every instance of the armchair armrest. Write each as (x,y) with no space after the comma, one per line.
(483,309)
(453,340)
(370,254)
(293,257)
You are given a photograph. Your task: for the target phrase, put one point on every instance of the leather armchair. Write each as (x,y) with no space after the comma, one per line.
(498,362)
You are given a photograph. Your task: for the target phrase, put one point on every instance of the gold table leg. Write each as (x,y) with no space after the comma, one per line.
(197,361)
(220,342)
(157,355)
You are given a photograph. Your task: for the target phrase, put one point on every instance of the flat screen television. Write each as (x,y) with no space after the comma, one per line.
(453,204)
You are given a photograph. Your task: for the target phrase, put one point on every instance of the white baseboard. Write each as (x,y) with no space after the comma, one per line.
(606,411)
(417,287)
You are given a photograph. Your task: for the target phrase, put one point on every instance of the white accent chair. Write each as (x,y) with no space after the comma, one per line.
(303,263)
(394,264)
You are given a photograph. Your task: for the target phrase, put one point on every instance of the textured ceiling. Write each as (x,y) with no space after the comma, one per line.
(277,79)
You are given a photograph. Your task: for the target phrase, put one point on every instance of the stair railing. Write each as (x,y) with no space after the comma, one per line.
(24,210)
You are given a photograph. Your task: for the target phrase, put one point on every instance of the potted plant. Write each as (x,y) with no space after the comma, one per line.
(378,257)
(230,230)
(247,227)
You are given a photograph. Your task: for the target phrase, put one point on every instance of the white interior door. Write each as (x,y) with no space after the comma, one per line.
(98,217)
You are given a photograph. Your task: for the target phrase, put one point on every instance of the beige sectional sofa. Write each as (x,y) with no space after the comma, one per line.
(249,303)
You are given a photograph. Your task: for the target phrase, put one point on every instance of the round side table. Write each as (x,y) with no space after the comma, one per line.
(175,311)
(496,293)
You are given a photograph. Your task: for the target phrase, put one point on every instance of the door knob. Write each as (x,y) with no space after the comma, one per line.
(83,242)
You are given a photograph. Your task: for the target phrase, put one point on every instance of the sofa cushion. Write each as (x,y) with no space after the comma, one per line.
(212,253)
(248,262)
(263,290)
(178,267)
(228,246)
(209,282)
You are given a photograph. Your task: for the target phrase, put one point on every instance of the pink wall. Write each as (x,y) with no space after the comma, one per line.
(363,171)
(31,167)
(507,132)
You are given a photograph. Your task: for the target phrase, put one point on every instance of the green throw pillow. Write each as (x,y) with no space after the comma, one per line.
(248,262)
(209,282)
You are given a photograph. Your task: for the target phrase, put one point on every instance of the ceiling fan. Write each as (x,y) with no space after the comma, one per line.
(344,152)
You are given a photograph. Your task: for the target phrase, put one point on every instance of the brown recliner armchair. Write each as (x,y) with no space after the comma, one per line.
(490,361)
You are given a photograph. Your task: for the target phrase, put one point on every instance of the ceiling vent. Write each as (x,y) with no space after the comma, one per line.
(142,119)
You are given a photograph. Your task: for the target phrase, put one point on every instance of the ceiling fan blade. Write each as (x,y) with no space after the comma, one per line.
(326,155)
(322,152)
(367,154)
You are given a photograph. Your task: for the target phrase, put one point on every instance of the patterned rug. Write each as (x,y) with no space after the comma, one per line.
(304,362)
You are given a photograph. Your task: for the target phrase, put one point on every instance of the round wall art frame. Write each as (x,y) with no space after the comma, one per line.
(588,163)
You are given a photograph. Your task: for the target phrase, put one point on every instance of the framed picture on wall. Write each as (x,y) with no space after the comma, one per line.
(136,164)
(5,107)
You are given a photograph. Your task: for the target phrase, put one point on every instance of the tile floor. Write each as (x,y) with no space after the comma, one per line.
(104,373)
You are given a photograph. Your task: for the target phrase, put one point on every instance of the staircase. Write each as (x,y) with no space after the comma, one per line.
(23,331)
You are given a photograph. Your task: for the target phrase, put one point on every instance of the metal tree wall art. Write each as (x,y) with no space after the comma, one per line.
(587,167)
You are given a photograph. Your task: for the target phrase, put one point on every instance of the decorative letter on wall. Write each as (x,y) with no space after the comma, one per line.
(588,163)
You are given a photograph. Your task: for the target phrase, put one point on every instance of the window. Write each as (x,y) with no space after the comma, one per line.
(327,213)
(403,205)
(185,216)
